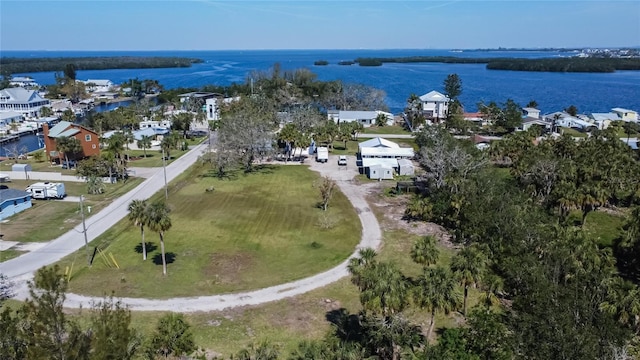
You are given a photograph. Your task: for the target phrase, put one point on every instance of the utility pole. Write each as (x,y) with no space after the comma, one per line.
(164,169)
(84,231)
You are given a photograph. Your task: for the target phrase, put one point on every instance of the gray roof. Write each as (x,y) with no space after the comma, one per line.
(9,115)
(12,194)
(357,115)
(19,95)
(605,116)
(434,96)
(59,128)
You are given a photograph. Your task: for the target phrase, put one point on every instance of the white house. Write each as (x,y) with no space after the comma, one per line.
(531,112)
(212,106)
(626,114)
(24,81)
(26,102)
(166,124)
(376,156)
(366,118)
(98,85)
(435,105)
(8,117)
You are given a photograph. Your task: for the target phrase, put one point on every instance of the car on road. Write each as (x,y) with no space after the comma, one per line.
(69,165)
(342,160)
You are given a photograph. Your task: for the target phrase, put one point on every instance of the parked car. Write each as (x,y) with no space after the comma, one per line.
(342,160)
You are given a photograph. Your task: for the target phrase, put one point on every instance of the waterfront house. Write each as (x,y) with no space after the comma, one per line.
(13,201)
(24,81)
(366,118)
(475,117)
(213,104)
(89,139)
(626,114)
(529,112)
(98,85)
(8,117)
(435,105)
(26,102)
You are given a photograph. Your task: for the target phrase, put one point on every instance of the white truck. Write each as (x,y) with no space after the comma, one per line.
(46,190)
(322,154)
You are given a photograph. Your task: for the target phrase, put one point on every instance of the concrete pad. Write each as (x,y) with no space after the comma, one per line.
(6,245)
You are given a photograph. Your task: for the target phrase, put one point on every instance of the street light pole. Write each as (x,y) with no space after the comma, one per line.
(84,230)
(164,169)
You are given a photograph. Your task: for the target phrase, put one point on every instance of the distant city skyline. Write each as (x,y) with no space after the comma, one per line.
(322,24)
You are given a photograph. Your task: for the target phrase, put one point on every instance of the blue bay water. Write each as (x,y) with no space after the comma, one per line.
(589,92)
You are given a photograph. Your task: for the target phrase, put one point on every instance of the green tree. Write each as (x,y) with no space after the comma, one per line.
(488,336)
(469,266)
(159,221)
(144,143)
(69,147)
(70,72)
(572,110)
(139,216)
(182,122)
(262,351)
(532,104)
(48,332)
(112,336)
(453,87)
(359,265)
(437,292)
(289,135)
(425,251)
(46,111)
(68,115)
(381,120)
(172,338)
(384,289)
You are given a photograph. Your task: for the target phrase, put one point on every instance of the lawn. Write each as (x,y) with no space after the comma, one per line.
(252,231)
(48,219)
(603,226)
(41,165)
(9,254)
(573,132)
(396,130)
(153,158)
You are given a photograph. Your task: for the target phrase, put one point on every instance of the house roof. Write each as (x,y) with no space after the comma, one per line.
(405,162)
(358,115)
(373,162)
(98,82)
(530,109)
(150,131)
(59,128)
(434,96)
(68,133)
(387,152)
(378,142)
(622,110)
(4,115)
(22,79)
(12,194)
(18,95)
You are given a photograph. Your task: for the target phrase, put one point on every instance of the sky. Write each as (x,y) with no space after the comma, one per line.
(315,24)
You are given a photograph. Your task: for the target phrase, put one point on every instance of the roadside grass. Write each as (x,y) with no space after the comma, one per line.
(48,219)
(153,157)
(9,254)
(573,132)
(251,232)
(395,129)
(603,226)
(42,165)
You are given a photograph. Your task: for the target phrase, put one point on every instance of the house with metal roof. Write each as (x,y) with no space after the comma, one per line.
(366,118)
(89,140)
(435,105)
(13,201)
(381,155)
(26,102)
(377,142)
(23,81)
(626,114)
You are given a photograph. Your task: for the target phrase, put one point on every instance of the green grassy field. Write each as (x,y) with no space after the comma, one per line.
(573,132)
(604,226)
(253,231)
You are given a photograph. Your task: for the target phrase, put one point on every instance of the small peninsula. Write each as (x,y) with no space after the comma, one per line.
(30,65)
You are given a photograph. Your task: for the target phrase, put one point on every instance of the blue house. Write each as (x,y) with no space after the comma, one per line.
(13,201)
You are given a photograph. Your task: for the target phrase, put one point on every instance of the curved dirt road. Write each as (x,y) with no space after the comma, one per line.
(371,237)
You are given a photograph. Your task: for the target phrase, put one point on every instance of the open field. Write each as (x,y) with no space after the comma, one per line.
(252,231)
(602,225)
(48,219)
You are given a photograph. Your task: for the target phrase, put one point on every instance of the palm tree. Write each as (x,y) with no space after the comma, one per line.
(384,289)
(68,146)
(139,216)
(159,221)
(437,292)
(144,143)
(425,251)
(493,285)
(357,265)
(623,301)
(469,266)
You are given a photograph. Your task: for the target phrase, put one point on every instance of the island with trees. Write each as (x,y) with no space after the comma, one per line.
(13,65)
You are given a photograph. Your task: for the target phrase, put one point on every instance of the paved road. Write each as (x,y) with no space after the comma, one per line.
(371,237)
(23,267)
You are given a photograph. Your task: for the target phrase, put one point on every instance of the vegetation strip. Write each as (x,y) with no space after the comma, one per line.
(30,65)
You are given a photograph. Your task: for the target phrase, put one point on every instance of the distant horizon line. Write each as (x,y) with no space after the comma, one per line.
(340,49)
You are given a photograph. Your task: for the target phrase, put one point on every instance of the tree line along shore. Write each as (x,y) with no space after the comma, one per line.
(13,65)
(573,64)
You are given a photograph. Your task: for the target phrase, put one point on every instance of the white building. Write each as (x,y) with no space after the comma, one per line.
(24,81)
(376,156)
(26,102)
(212,106)
(626,114)
(435,105)
(366,118)
(98,85)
